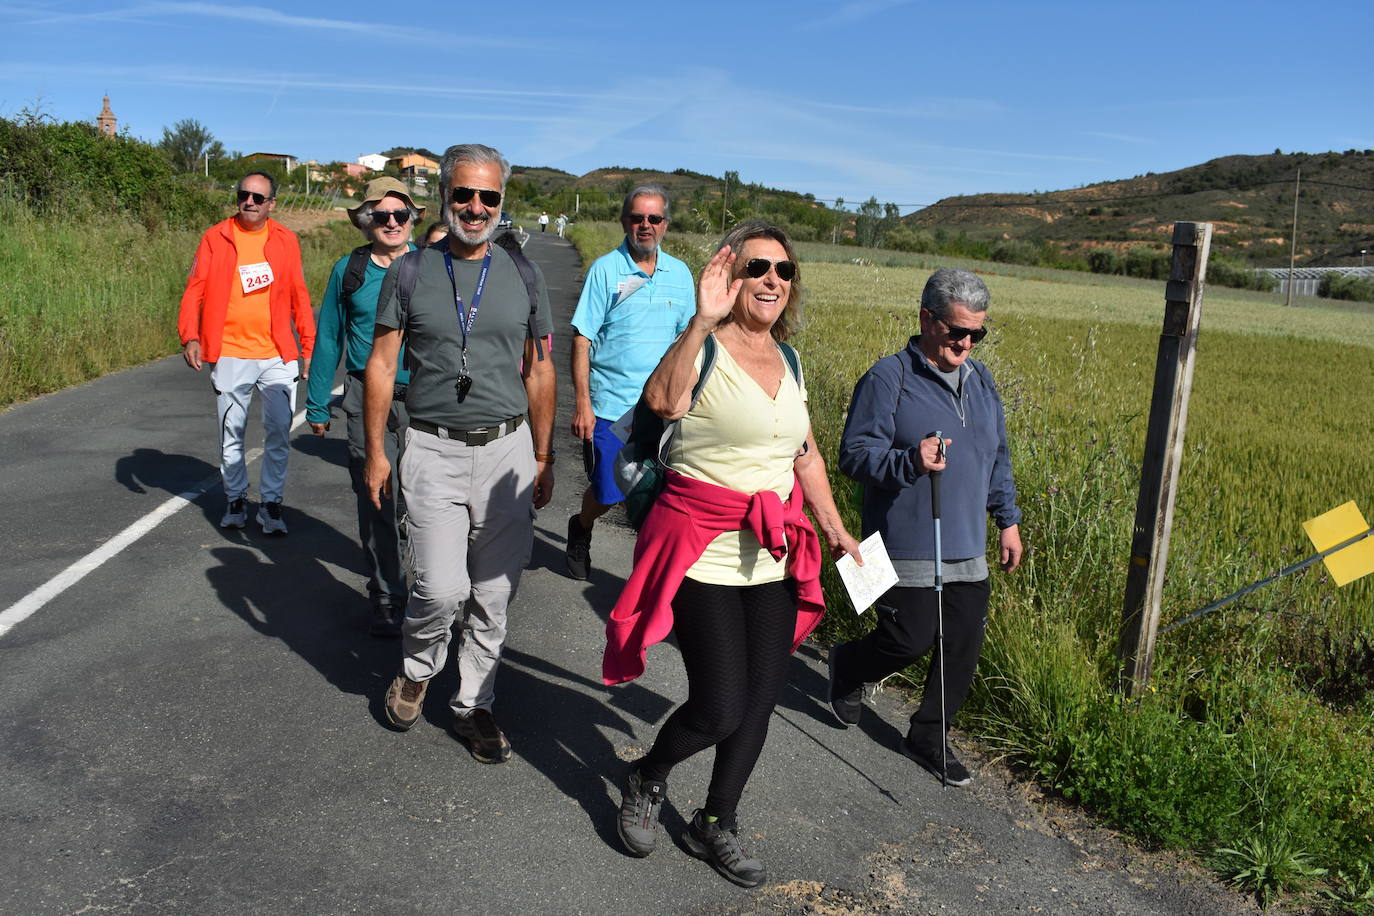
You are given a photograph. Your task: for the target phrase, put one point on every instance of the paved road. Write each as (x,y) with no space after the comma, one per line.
(195,726)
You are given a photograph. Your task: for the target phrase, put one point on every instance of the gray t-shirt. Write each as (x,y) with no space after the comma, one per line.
(434,341)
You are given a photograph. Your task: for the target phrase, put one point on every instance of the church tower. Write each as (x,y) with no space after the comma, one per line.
(106,122)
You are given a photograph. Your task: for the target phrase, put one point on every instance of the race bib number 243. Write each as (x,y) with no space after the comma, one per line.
(255,276)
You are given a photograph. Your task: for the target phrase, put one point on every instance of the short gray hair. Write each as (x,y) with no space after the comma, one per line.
(645,190)
(469,154)
(948,286)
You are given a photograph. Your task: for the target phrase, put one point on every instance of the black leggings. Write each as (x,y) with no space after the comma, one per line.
(735,643)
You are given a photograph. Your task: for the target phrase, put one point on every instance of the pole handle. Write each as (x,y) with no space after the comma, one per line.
(935,479)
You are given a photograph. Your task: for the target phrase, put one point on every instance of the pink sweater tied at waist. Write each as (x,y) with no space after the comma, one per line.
(687,516)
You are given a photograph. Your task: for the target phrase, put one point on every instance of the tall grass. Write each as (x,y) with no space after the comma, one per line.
(93,292)
(1232,753)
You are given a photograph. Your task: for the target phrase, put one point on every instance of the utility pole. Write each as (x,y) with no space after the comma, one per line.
(1293,248)
(724,203)
(1154,511)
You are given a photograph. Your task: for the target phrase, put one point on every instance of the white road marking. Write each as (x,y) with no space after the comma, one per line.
(27,606)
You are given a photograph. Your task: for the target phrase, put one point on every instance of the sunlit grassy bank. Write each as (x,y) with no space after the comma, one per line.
(94,292)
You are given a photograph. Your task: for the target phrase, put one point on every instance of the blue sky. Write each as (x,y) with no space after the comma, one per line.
(907,100)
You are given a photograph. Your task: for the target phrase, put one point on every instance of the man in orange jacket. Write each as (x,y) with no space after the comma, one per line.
(245,292)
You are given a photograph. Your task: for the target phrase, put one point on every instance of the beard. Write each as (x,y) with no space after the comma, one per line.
(459,231)
(638,250)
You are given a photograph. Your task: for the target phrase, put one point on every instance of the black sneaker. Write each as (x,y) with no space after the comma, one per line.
(927,756)
(719,845)
(848,707)
(639,808)
(235,514)
(269,518)
(386,621)
(579,549)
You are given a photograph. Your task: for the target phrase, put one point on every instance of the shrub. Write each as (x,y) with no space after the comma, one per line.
(1346,286)
(1105,261)
(1016,251)
(904,238)
(1147,263)
(1224,271)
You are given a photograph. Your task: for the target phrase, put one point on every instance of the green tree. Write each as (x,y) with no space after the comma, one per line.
(187,142)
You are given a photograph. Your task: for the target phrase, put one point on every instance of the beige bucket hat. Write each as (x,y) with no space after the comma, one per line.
(378,188)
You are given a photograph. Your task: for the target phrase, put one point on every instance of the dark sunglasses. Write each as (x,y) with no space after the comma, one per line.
(958,333)
(757,267)
(653,219)
(380,217)
(488,197)
(258,199)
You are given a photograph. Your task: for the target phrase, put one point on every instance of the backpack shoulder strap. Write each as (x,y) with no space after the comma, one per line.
(356,271)
(406,272)
(789,355)
(511,245)
(708,362)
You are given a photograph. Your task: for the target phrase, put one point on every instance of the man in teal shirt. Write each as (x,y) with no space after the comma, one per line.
(635,301)
(386,217)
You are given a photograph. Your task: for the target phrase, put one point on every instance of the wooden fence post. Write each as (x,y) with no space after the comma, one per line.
(1154,510)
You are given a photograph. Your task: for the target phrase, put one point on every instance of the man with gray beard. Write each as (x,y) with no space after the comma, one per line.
(478,454)
(635,301)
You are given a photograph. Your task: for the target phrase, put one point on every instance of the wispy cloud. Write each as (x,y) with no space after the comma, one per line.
(850,13)
(157,74)
(925,108)
(1120,138)
(264,16)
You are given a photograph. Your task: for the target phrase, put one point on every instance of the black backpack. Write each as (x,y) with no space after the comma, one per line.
(409,266)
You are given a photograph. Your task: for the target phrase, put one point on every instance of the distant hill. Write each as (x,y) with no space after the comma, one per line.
(1249,199)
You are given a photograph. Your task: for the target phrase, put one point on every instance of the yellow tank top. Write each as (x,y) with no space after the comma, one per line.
(738,437)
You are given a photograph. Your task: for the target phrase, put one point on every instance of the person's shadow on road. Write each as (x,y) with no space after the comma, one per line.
(558,728)
(285,590)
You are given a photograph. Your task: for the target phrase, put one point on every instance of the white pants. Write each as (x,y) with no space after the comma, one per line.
(234,380)
(470,520)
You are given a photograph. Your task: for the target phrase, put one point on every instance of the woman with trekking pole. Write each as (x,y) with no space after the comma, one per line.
(926,437)
(725,557)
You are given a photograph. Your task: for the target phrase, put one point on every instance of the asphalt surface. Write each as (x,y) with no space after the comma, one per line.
(196,725)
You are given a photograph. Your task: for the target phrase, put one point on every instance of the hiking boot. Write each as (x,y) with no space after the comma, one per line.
(579,549)
(849,706)
(485,740)
(386,621)
(927,756)
(639,808)
(235,514)
(403,701)
(719,844)
(269,517)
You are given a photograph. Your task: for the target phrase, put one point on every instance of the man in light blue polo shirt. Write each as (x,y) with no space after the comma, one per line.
(635,301)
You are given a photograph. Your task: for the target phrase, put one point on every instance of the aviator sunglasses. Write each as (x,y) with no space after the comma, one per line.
(653,219)
(489,198)
(757,267)
(957,333)
(258,199)
(380,217)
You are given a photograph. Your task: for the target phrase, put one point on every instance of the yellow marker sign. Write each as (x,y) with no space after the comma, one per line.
(1341,524)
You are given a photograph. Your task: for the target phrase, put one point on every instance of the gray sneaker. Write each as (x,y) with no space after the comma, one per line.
(269,518)
(639,811)
(235,514)
(719,845)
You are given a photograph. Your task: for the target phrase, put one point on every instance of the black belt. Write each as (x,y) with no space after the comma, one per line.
(482,435)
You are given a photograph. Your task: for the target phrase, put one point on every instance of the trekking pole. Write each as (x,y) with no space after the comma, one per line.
(939,601)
